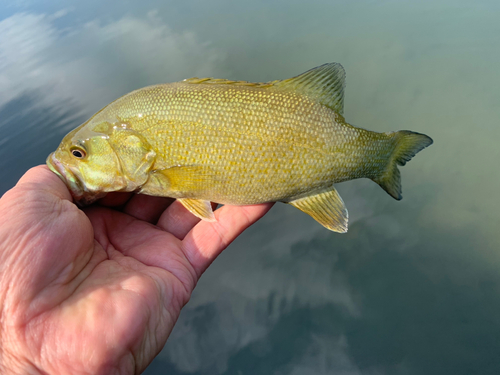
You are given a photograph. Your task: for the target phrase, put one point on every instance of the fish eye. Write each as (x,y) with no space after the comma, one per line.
(78,152)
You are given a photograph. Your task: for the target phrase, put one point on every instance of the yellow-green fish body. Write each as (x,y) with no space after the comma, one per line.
(230,142)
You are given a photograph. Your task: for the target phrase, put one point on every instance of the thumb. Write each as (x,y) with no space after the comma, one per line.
(45,238)
(41,178)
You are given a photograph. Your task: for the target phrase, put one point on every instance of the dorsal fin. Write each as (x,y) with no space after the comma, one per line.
(222,81)
(324,84)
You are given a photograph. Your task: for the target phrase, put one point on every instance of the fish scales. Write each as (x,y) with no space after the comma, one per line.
(253,142)
(202,140)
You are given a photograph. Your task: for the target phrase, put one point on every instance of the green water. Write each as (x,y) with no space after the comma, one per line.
(414,286)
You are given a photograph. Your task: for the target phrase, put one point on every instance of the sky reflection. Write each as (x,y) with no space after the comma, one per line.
(413,287)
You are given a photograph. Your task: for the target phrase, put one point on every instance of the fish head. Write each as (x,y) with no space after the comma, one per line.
(96,159)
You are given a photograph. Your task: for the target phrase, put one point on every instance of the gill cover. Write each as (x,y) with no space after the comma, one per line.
(116,159)
(136,157)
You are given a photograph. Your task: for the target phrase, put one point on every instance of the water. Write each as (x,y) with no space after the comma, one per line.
(413,287)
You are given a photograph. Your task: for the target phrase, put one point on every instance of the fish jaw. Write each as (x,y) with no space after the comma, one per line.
(81,195)
(66,175)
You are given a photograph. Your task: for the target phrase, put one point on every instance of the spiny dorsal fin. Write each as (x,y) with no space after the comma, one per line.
(324,84)
(215,81)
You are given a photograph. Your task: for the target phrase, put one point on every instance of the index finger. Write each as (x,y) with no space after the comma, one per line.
(208,239)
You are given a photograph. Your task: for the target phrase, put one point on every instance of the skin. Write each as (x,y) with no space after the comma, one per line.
(98,291)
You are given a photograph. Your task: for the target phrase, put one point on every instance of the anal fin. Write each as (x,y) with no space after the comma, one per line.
(327,208)
(199,208)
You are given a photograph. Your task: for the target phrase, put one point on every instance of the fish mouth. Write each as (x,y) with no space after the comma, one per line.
(67,176)
(81,195)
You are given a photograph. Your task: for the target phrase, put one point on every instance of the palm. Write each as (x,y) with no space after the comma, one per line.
(102,290)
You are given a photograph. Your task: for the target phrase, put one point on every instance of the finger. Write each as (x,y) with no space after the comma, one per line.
(177,220)
(147,208)
(139,240)
(207,239)
(115,199)
(49,239)
(41,178)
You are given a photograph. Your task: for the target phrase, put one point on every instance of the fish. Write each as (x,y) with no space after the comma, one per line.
(205,140)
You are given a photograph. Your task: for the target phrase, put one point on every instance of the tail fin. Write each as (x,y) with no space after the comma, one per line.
(407,144)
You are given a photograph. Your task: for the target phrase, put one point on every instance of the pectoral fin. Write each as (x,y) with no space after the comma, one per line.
(178,180)
(189,177)
(327,208)
(199,208)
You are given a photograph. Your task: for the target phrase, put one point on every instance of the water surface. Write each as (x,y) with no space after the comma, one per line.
(413,287)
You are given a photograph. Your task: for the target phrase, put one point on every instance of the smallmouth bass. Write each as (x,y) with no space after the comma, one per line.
(236,143)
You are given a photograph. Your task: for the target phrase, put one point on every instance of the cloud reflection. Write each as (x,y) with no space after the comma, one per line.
(47,72)
(87,63)
(389,307)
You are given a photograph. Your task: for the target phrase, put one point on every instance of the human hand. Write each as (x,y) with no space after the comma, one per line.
(98,291)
